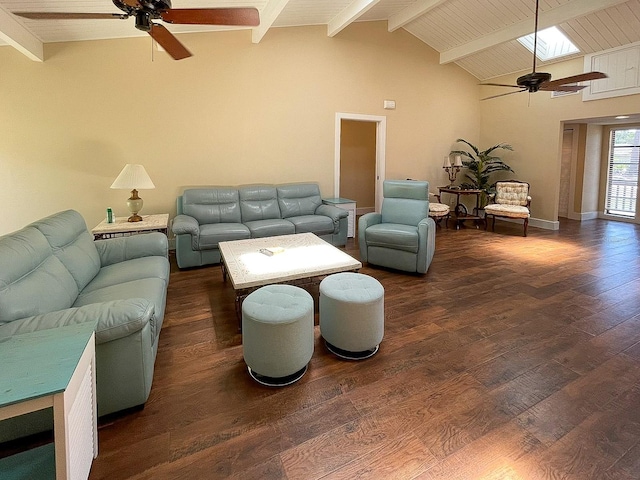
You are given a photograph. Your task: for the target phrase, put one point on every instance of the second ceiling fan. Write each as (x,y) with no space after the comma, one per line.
(535,81)
(145,11)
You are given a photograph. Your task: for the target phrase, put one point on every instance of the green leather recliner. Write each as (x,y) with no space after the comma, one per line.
(401,236)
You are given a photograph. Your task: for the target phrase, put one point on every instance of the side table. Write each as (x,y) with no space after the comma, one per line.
(52,368)
(460,210)
(121,227)
(350,207)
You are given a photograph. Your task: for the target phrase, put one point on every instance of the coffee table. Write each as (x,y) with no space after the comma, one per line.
(301,259)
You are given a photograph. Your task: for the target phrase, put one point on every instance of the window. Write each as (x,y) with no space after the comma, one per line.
(622,173)
(552,43)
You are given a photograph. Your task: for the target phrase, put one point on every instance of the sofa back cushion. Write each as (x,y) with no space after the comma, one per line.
(405,202)
(72,244)
(298,199)
(32,280)
(212,205)
(258,202)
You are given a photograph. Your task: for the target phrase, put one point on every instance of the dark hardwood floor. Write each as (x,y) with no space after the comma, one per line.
(512,358)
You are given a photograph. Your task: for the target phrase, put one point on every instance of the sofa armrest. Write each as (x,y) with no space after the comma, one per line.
(184,224)
(115,319)
(331,211)
(116,250)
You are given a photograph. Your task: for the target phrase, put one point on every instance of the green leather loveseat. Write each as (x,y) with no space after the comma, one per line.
(53,274)
(210,215)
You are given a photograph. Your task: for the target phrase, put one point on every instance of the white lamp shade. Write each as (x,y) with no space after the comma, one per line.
(133,176)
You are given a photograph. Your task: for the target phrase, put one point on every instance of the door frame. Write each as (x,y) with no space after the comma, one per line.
(381,146)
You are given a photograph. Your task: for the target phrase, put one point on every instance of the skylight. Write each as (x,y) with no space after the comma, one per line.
(552,43)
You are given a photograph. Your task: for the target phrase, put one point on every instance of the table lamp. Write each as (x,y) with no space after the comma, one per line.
(133,177)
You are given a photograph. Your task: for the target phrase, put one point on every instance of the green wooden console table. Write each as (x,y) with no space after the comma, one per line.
(52,368)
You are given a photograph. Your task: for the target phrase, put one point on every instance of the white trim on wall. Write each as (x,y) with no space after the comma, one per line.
(381,146)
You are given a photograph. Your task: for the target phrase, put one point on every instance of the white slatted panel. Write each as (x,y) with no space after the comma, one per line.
(385,9)
(81,431)
(310,12)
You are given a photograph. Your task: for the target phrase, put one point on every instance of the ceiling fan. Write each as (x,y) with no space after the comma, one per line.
(535,81)
(145,11)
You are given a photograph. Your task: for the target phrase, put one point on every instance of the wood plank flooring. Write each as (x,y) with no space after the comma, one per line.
(512,358)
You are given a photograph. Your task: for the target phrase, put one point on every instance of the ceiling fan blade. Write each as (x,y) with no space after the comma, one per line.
(499,85)
(212,16)
(504,94)
(69,16)
(562,88)
(167,41)
(583,77)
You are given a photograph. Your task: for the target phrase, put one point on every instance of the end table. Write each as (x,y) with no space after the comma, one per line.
(121,227)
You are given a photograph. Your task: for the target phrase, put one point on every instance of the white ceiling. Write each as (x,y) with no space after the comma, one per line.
(477,35)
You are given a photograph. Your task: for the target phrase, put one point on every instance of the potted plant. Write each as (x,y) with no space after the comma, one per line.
(480,166)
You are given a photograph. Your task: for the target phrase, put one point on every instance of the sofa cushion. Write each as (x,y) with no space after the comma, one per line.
(258,202)
(212,205)
(146,289)
(126,271)
(211,235)
(318,224)
(270,228)
(72,243)
(32,279)
(297,199)
(393,235)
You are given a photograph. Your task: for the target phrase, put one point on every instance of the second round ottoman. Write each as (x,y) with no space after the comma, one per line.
(352,314)
(277,333)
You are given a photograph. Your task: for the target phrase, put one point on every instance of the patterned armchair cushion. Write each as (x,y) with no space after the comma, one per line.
(438,209)
(512,193)
(501,210)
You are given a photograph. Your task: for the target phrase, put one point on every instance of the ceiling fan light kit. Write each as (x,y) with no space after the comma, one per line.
(146,11)
(536,81)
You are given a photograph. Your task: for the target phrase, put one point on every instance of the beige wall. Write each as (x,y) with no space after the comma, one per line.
(533,125)
(358,162)
(234,113)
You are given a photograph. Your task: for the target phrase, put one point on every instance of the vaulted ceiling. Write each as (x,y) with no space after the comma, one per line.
(478,35)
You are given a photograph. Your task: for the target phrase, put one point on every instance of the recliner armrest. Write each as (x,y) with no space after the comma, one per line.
(116,250)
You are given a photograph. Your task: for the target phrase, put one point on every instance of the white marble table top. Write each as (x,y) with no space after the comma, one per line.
(303,255)
(149,222)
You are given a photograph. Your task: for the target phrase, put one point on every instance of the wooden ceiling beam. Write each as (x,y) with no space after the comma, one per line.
(268,15)
(19,37)
(349,15)
(410,13)
(555,16)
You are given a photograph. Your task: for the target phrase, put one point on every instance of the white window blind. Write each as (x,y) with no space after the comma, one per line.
(622,178)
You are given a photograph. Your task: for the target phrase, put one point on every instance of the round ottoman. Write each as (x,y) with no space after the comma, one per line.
(277,334)
(352,314)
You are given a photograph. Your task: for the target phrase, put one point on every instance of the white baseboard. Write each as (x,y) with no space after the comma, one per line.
(583,216)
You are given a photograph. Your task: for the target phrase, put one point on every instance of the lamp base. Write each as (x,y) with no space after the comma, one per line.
(134,203)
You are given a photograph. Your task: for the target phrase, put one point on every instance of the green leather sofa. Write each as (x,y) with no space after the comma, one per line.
(53,274)
(209,215)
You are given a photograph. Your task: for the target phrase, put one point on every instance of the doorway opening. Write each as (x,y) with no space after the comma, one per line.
(359,146)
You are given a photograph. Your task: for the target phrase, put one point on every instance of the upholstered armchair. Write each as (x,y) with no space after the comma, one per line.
(437,210)
(401,236)
(511,200)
